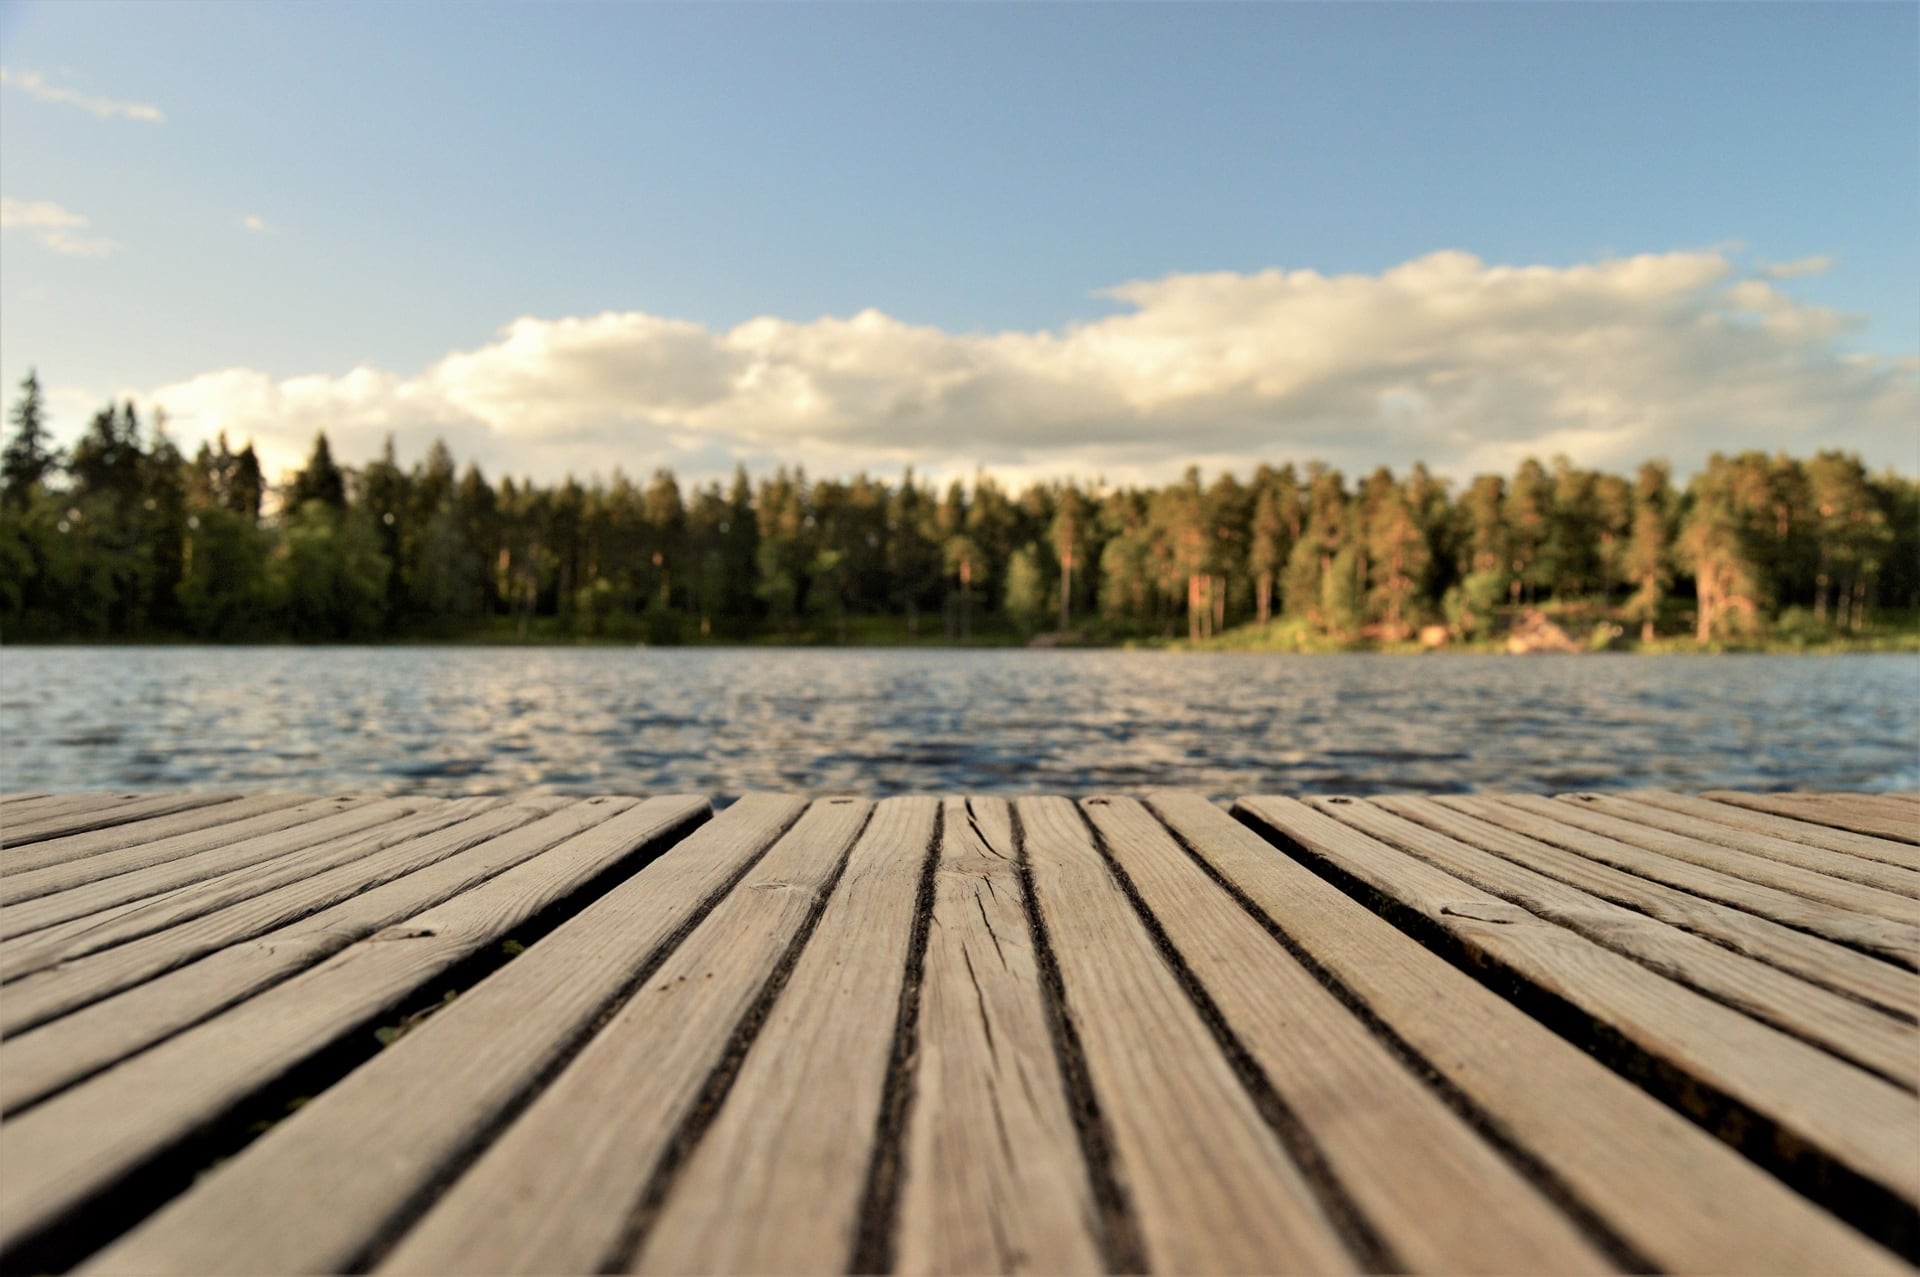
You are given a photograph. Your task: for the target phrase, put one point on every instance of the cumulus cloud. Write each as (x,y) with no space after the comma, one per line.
(58,229)
(35,85)
(1445,358)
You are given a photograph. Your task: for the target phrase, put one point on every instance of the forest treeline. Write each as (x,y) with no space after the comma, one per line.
(126,537)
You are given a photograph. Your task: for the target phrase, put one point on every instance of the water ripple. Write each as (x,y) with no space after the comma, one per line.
(476,720)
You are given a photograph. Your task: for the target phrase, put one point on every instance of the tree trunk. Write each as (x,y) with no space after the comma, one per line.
(1066,591)
(1263,597)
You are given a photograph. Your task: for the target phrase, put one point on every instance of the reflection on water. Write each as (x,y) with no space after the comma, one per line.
(490,720)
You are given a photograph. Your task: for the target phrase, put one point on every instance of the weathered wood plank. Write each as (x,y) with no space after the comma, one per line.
(118,811)
(1869,1038)
(420,840)
(560,1189)
(1677,1197)
(777,1183)
(1805,883)
(1893,805)
(1877,936)
(35,1063)
(21,796)
(1437,1196)
(432,1099)
(328,819)
(996,1181)
(1822,810)
(58,863)
(1211,1185)
(62,1155)
(51,804)
(1856,1129)
(1760,822)
(1834,864)
(336,839)
(1831,965)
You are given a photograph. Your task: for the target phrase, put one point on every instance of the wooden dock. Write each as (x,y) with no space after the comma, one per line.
(1640,1030)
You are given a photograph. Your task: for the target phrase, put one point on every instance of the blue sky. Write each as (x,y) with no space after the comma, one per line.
(422,176)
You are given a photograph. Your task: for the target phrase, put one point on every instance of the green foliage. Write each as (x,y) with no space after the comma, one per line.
(224,593)
(126,538)
(1470,604)
(330,578)
(28,457)
(1027,601)
(1341,593)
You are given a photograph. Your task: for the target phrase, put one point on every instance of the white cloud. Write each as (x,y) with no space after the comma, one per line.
(1804,266)
(257,225)
(1445,359)
(36,215)
(56,228)
(35,85)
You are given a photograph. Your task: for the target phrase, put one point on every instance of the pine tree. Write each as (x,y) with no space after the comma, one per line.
(1068,533)
(29,456)
(247,488)
(320,480)
(1717,544)
(1398,556)
(1647,560)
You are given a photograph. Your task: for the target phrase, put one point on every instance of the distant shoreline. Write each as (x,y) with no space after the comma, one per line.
(1907,644)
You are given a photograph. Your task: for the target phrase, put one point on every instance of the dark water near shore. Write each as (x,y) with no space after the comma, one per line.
(489,720)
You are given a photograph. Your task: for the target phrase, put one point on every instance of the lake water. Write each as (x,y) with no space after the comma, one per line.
(602,720)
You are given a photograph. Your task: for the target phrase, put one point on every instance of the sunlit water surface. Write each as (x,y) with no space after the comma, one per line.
(722,722)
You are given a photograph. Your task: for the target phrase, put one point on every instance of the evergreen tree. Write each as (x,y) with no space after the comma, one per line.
(163,525)
(912,554)
(1272,530)
(740,552)
(247,487)
(29,455)
(1398,557)
(1068,533)
(1647,563)
(1527,515)
(1717,545)
(320,480)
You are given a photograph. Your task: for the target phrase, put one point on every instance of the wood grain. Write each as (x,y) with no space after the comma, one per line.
(128,882)
(86,815)
(1869,1038)
(91,968)
(1212,1186)
(434,1098)
(558,1190)
(995,1181)
(1805,883)
(1437,1195)
(1760,822)
(1681,1199)
(1888,940)
(62,1154)
(1833,966)
(777,1183)
(1835,864)
(42,1060)
(215,826)
(1845,1118)
(1837,811)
